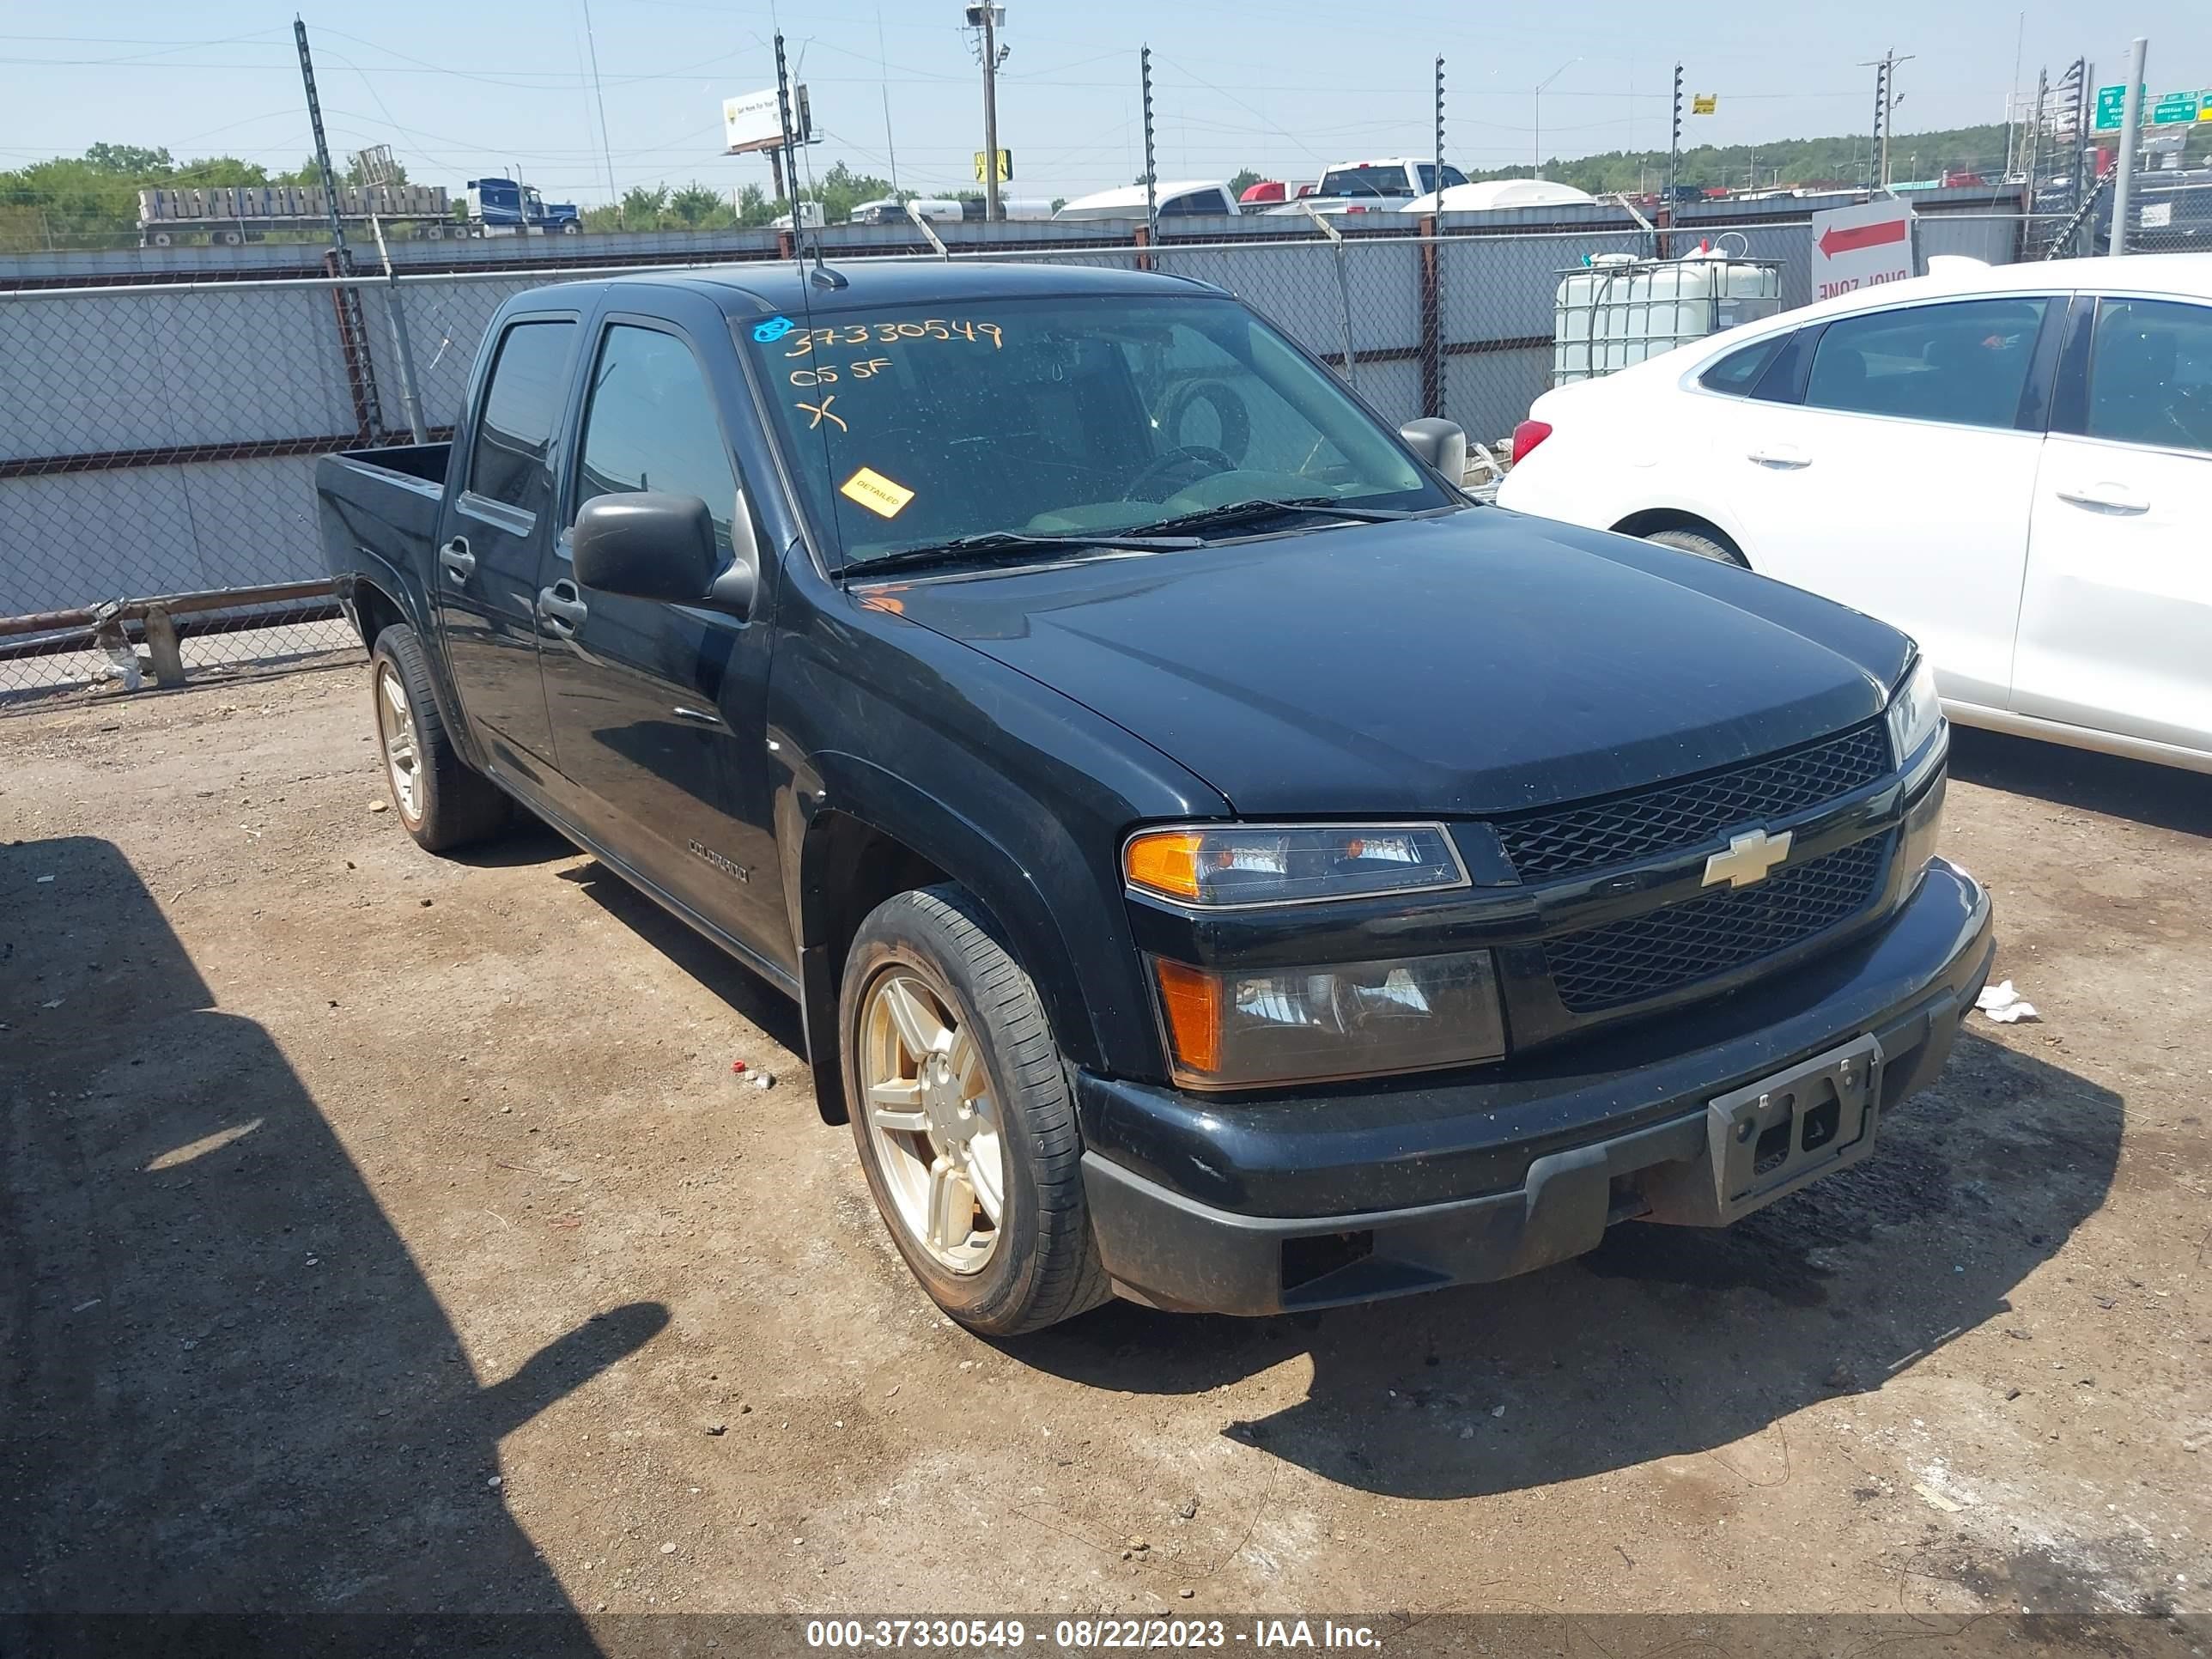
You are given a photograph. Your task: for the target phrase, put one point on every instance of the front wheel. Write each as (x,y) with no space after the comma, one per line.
(1697,542)
(961,1109)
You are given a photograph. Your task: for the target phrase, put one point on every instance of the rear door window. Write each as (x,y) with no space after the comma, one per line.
(1737,373)
(511,459)
(1965,363)
(2150,374)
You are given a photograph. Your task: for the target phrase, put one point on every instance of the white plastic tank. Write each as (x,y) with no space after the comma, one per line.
(1620,308)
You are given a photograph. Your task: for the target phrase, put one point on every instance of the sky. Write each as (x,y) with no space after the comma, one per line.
(470,87)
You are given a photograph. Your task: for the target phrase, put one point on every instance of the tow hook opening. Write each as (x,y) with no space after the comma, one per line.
(1305,1259)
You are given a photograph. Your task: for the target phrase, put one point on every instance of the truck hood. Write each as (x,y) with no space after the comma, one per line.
(1479,663)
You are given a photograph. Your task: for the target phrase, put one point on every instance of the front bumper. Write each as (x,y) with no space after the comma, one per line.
(1310,1200)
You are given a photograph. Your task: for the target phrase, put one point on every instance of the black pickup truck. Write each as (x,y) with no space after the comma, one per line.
(1217,862)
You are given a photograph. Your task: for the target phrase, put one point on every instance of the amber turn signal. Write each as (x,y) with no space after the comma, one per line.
(1191,999)
(1165,861)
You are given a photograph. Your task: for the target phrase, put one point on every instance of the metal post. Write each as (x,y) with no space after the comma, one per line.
(410,395)
(1675,144)
(163,654)
(1440,135)
(990,12)
(1879,155)
(1151,171)
(1433,276)
(322,146)
(2123,168)
(1343,290)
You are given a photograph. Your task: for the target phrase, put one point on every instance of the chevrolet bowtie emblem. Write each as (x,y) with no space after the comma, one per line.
(1748,859)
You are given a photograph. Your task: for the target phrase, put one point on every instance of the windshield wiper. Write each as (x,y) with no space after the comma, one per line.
(992,543)
(1238,513)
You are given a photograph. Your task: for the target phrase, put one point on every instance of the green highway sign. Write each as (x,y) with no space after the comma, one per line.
(2169,109)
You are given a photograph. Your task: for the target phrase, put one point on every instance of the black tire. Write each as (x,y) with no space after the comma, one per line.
(1697,542)
(1044,1265)
(455,804)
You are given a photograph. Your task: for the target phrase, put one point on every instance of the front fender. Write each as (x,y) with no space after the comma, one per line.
(1043,896)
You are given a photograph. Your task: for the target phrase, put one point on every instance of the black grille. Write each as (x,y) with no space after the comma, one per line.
(1650,955)
(1678,816)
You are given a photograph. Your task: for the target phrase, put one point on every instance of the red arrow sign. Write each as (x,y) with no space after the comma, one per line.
(1836,240)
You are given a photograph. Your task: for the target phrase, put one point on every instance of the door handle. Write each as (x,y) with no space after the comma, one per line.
(1784,456)
(2103,498)
(561,613)
(460,563)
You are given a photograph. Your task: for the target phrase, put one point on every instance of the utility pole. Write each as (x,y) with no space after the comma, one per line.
(1537,120)
(990,18)
(2130,136)
(883,86)
(1675,144)
(322,146)
(1151,171)
(606,149)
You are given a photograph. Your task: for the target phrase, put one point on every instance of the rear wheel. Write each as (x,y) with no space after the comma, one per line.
(443,803)
(1697,542)
(963,1118)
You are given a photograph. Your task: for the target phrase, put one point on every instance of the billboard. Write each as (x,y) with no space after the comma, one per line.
(751,121)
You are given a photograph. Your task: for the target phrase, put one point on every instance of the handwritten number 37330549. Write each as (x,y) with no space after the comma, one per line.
(930,328)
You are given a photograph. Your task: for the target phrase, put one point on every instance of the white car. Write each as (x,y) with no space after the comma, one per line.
(2012,464)
(1186,198)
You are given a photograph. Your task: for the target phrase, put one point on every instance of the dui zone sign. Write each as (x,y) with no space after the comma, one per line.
(1856,248)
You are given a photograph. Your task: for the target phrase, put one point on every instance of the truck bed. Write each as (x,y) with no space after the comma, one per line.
(380,506)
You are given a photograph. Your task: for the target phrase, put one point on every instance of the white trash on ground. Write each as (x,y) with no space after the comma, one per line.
(2004,1005)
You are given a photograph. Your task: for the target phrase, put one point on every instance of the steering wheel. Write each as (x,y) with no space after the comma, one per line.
(1230,414)
(1160,468)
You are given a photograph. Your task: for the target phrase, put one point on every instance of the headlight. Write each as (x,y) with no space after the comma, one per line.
(1279,1026)
(1915,712)
(1218,866)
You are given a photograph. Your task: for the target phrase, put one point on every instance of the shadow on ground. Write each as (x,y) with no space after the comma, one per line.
(1665,1341)
(228,1386)
(2162,795)
(746,993)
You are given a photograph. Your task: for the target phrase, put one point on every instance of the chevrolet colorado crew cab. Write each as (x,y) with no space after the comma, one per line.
(1216,861)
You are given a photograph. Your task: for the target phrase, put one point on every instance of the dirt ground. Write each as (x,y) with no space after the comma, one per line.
(385,1232)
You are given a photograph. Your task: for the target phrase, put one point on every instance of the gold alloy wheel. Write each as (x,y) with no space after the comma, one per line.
(933,1121)
(402,749)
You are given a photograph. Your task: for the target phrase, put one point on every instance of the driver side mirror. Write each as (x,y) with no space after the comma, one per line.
(1441,444)
(648,546)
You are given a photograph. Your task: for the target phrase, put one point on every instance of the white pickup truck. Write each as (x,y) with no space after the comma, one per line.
(1385,186)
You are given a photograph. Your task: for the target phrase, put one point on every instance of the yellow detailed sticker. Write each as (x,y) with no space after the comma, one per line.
(875,492)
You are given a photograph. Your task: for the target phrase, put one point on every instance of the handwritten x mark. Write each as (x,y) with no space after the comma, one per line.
(821,411)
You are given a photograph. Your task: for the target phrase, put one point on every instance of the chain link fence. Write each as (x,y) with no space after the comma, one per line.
(158,442)
(2169,211)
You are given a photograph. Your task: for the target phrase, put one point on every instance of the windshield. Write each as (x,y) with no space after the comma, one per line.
(1366,181)
(909,428)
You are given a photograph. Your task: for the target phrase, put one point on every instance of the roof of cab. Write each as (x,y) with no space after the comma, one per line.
(766,289)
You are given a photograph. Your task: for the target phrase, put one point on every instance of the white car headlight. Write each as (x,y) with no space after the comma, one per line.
(1915,713)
